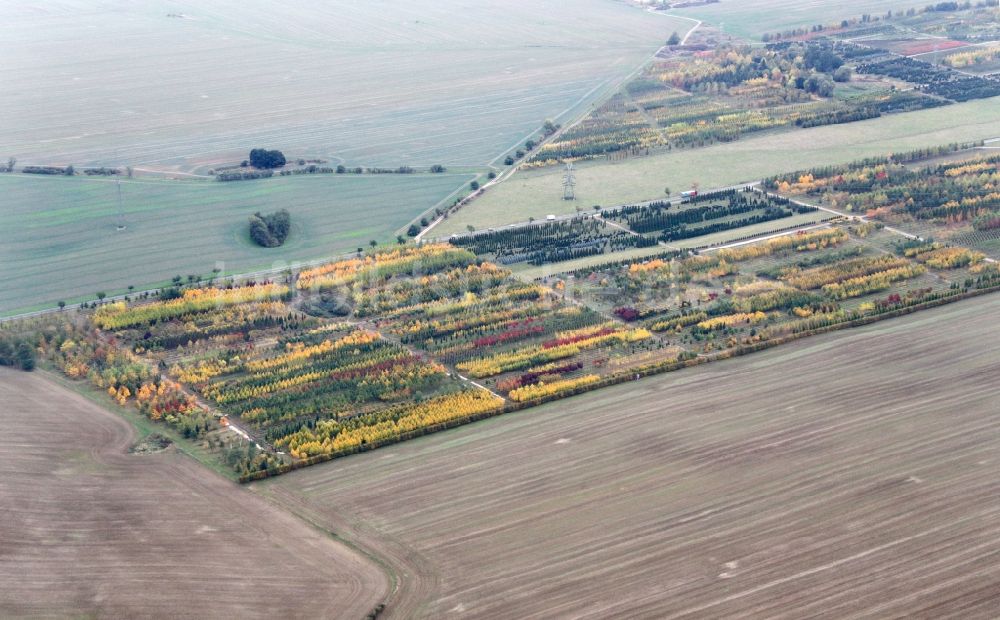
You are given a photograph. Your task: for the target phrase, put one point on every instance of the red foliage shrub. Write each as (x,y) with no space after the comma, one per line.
(627,313)
(923,47)
(558,342)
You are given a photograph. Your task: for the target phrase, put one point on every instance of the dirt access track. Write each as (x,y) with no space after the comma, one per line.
(88,530)
(852,475)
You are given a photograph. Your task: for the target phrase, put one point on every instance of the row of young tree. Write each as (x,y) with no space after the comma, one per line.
(953,192)
(679,232)
(549,242)
(773,182)
(662,216)
(934,79)
(69,170)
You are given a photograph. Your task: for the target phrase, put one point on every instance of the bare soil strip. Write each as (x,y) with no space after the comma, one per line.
(90,530)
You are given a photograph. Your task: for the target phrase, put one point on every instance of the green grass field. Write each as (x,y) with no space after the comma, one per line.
(175,86)
(537,193)
(59,239)
(184,84)
(752,18)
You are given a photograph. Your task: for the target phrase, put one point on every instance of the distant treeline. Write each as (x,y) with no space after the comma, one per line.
(68,170)
(60,170)
(242,174)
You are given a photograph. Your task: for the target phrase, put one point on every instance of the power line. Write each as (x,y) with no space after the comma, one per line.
(569,182)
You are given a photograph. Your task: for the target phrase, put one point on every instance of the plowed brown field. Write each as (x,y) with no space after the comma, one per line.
(87,530)
(850,475)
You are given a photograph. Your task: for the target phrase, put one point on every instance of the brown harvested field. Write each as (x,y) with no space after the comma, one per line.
(849,475)
(88,530)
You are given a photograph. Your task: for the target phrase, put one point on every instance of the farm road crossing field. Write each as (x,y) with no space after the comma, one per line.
(849,475)
(373,83)
(90,531)
(58,240)
(537,193)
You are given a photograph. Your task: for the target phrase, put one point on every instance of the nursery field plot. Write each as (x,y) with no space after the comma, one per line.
(976,25)
(914,46)
(706,214)
(546,242)
(988,241)
(716,300)
(982,59)
(918,286)
(650,94)
(363,352)
(185,85)
(618,126)
(530,272)
(350,356)
(933,79)
(710,219)
(930,36)
(291,379)
(376,347)
(972,58)
(866,86)
(316,371)
(780,287)
(92,531)
(946,198)
(847,474)
(519,339)
(690,99)
(59,240)
(537,193)
(991,68)
(801,220)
